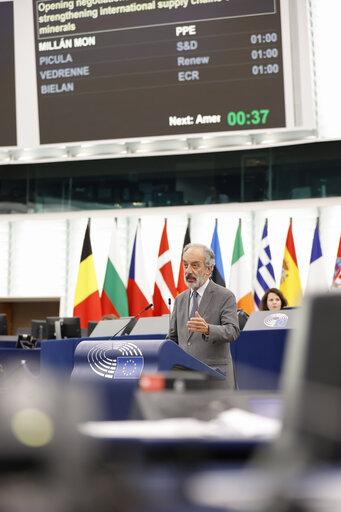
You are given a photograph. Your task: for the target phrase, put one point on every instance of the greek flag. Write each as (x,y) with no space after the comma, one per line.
(265,277)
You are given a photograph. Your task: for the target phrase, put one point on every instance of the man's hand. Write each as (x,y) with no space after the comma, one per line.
(198,324)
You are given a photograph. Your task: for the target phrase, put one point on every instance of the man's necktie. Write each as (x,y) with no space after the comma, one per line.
(195,305)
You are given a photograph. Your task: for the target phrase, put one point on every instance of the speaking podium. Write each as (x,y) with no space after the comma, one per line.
(114,367)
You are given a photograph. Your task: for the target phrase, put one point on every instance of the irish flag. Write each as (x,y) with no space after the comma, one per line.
(290,278)
(240,283)
(87,303)
(114,294)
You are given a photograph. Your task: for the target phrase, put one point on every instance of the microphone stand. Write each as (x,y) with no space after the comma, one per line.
(170,312)
(131,321)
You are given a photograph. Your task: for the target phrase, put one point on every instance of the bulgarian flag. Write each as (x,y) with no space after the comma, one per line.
(114,294)
(87,304)
(290,278)
(240,283)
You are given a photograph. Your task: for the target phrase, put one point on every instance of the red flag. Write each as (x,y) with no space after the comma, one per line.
(164,288)
(337,272)
(182,286)
(137,289)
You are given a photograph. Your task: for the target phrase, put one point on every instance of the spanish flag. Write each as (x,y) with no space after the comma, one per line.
(87,303)
(290,278)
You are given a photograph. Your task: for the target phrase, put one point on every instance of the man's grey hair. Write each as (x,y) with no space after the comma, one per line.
(209,254)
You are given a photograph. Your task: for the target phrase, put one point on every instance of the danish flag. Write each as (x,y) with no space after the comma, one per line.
(164,288)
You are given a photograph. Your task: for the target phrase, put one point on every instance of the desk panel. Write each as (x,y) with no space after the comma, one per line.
(258,358)
(11,361)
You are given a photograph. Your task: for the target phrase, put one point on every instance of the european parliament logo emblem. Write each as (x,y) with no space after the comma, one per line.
(116,360)
(276,320)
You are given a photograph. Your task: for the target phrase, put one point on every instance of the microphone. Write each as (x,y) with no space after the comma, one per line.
(170,313)
(128,327)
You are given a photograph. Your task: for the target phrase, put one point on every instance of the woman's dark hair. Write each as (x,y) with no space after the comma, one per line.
(263,306)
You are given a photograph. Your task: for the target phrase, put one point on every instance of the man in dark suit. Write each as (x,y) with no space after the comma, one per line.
(204,319)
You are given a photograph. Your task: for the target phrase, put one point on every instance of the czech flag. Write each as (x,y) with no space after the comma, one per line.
(138,293)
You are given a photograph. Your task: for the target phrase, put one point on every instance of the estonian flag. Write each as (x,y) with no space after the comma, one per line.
(218,271)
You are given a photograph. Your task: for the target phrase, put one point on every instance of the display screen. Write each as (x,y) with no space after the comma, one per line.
(112,69)
(8,135)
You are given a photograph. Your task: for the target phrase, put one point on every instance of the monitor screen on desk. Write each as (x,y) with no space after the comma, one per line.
(265,320)
(39,329)
(3,324)
(63,327)
(311,382)
(152,325)
(117,327)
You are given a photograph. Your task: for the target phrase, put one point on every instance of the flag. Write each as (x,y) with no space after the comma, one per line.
(164,288)
(290,278)
(317,279)
(182,286)
(114,294)
(129,367)
(218,270)
(336,284)
(87,304)
(239,277)
(137,290)
(265,277)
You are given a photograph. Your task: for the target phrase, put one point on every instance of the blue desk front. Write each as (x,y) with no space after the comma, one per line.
(13,360)
(59,355)
(258,358)
(112,367)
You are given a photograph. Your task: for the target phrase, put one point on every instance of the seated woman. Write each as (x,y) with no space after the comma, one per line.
(273,299)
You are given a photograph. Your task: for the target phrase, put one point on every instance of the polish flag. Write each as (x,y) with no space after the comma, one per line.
(164,288)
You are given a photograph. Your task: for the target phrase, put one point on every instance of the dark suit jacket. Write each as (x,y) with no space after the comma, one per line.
(218,307)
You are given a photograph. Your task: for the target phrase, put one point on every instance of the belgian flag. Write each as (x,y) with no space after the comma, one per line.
(87,304)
